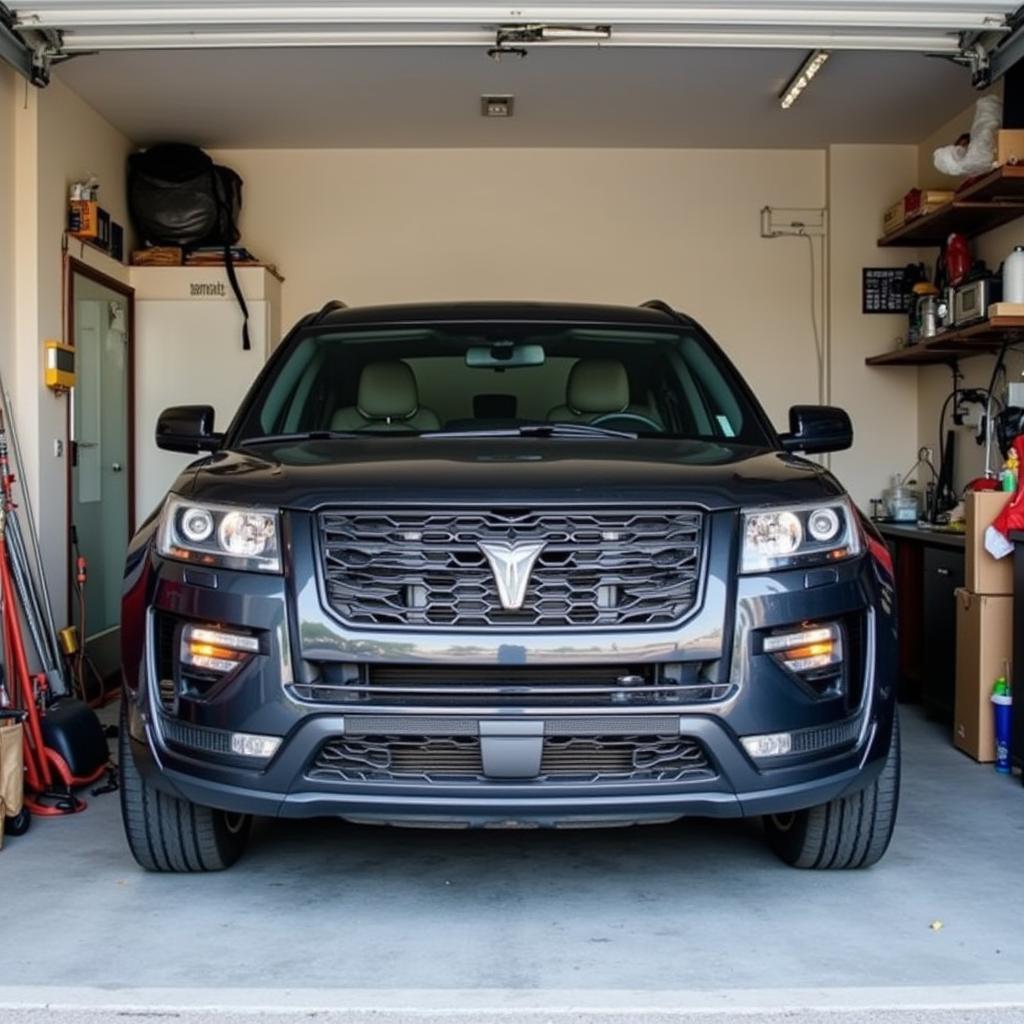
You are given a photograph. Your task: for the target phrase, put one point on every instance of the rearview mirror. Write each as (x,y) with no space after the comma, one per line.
(814,429)
(504,355)
(187,428)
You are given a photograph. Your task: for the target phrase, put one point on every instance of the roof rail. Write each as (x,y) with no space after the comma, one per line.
(660,305)
(326,308)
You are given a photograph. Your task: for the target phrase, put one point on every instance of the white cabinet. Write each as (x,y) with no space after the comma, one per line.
(188,351)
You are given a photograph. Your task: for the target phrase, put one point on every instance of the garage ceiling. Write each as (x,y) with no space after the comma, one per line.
(402,97)
(320,74)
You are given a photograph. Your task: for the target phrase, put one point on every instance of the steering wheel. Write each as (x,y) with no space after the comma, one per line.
(608,419)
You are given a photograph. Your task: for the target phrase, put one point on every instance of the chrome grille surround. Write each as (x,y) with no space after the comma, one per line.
(424,568)
(477,686)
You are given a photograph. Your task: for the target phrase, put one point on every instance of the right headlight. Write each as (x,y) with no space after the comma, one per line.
(232,537)
(791,536)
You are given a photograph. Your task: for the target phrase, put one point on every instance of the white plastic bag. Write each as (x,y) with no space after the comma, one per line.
(979,156)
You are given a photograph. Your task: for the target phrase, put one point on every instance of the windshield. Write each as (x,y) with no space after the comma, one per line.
(456,378)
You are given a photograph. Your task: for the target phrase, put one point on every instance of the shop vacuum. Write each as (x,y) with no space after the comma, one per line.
(65,746)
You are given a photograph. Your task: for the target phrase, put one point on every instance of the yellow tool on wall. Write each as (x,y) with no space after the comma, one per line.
(60,366)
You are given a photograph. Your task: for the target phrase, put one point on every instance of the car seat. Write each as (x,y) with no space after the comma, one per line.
(388,399)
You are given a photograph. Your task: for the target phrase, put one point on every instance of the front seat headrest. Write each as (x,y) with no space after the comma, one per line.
(387,391)
(598,385)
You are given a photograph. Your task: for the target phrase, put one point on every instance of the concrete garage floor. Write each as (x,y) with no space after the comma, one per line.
(691,921)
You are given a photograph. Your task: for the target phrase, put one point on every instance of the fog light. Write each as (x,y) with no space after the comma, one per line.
(774,744)
(807,650)
(216,650)
(247,744)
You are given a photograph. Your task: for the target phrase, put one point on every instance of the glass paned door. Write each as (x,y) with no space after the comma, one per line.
(101,457)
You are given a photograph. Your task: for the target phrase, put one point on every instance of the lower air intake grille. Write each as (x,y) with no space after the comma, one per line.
(198,737)
(649,758)
(454,759)
(387,758)
(165,635)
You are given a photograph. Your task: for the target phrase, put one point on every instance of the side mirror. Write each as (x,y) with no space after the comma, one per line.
(817,428)
(187,428)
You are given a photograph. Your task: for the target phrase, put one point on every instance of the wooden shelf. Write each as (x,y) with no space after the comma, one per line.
(978,339)
(987,203)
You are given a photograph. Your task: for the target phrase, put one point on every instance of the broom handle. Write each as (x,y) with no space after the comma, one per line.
(26,501)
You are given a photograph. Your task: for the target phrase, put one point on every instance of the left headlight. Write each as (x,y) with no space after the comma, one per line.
(798,535)
(220,535)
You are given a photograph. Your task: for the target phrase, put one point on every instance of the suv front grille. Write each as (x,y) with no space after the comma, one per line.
(408,567)
(454,759)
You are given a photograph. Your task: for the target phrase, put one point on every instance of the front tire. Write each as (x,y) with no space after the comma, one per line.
(849,832)
(166,833)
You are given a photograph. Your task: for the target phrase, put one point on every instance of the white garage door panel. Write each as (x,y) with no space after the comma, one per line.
(863,24)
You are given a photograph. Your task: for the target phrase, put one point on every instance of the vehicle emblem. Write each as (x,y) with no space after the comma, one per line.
(511,565)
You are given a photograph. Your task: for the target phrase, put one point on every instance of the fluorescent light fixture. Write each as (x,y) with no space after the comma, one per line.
(810,67)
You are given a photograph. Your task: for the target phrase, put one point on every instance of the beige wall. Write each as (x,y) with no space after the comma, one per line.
(58,139)
(8,97)
(598,225)
(935,382)
(862,181)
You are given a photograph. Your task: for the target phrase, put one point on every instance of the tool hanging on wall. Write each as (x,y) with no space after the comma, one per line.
(82,667)
(28,562)
(65,746)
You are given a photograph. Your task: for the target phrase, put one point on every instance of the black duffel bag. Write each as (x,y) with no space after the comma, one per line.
(178,196)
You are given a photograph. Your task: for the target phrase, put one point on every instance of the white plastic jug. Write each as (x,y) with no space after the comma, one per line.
(1013,275)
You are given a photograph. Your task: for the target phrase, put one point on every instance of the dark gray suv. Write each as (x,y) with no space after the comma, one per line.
(505,565)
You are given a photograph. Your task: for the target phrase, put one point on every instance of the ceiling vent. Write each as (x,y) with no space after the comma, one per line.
(497,106)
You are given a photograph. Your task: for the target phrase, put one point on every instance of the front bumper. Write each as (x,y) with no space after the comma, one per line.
(298,634)
(283,789)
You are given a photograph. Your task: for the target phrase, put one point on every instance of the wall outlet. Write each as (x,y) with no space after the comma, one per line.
(58,448)
(971,417)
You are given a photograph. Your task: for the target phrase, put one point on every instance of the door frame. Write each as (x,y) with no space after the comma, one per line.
(72,267)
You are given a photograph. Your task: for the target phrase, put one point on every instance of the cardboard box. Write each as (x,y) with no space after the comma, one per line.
(84,218)
(12,771)
(998,309)
(984,574)
(917,202)
(984,644)
(1010,146)
(893,218)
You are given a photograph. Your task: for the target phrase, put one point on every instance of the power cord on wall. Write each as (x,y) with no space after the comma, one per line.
(808,223)
(819,351)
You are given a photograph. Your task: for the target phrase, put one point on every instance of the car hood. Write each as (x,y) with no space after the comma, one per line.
(310,474)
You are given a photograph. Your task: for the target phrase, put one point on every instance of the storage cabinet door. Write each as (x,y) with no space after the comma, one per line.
(943,574)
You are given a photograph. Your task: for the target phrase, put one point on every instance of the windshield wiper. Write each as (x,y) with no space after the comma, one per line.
(302,435)
(539,430)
